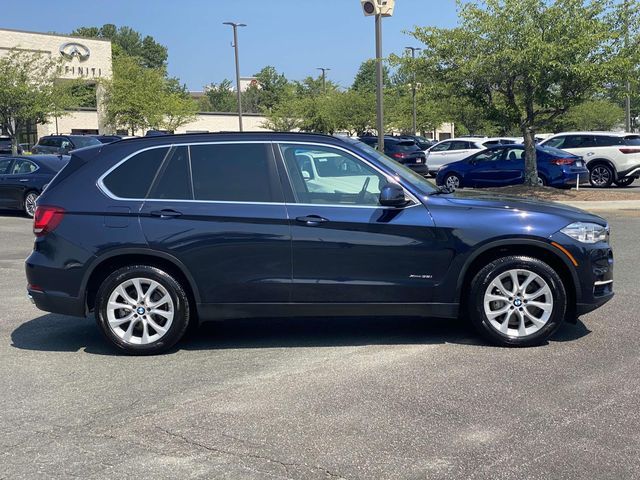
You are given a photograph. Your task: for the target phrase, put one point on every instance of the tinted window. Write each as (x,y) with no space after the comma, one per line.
(231,172)
(50,142)
(4,165)
(632,140)
(81,142)
(606,141)
(409,146)
(341,179)
(459,145)
(23,167)
(577,141)
(557,142)
(133,178)
(174,181)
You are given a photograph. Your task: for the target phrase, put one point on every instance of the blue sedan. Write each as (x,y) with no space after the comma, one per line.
(22,179)
(503,165)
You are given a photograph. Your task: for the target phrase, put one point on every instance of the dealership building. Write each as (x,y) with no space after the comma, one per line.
(90,60)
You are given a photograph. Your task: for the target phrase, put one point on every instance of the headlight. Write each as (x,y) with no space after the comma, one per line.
(586,232)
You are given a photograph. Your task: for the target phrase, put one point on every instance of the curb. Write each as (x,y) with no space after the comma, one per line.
(604,205)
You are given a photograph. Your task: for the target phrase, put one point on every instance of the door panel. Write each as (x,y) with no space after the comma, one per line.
(348,248)
(5,167)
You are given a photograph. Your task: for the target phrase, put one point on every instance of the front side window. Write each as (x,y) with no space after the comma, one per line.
(557,142)
(132,179)
(336,177)
(459,145)
(441,147)
(234,172)
(23,167)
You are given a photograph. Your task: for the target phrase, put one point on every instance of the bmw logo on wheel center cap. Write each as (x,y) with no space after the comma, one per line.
(517,302)
(140,310)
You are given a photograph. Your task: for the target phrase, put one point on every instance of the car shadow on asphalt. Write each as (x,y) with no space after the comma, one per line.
(60,333)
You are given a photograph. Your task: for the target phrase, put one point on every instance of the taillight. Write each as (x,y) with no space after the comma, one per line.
(398,155)
(563,161)
(46,219)
(630,150)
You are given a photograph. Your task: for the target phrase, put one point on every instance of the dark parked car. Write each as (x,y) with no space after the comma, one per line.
(22,179)
(63,144)
(157,232)
(404,151)
(503,165)
(5,146)
(422,142)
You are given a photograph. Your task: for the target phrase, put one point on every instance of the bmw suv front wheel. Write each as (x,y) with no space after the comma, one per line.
(142,310)
(517,301)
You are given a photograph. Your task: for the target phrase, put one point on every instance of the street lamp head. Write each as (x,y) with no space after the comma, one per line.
(235,24)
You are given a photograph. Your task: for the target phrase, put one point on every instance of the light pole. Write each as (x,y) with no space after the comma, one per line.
(413,85)
(379,84)
(324,85)
(235,45)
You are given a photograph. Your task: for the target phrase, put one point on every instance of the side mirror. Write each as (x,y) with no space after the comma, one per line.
(392,195)
(306,175)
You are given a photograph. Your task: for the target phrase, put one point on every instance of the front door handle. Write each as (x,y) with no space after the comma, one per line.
(24,180)
(165,213)
(312,220)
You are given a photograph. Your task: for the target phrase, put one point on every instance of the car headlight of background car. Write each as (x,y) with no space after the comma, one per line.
(586,232)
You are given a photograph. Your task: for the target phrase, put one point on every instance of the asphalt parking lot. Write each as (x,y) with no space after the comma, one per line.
(319,399)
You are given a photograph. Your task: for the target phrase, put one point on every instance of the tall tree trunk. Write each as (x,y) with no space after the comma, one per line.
(14,136)
(530,160)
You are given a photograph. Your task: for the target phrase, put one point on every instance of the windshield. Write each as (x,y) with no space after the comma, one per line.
(81,142)
(405,173)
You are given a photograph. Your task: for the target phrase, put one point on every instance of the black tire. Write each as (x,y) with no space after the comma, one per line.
(29,203)
(489,273)
(601,175)
(181,310)
(624,182)
(541,181)
(452,178)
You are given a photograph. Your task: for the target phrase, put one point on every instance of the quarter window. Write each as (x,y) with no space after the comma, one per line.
(4,165)
(231,172)
(325,175)
(133,178)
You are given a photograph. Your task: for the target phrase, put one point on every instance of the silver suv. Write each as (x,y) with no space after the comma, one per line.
(611,157)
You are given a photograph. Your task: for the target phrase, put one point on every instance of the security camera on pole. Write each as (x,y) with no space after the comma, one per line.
(379,8)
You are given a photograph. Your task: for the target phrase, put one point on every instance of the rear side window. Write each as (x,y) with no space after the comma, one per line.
(578,141)
(174,181)
(133,178)
(441,147)
(231,172)
(606,141)
(23,167)
(632,140)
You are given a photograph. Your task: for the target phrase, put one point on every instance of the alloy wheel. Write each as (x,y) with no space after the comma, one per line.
(518,303)
(452,182)
(30,203)
(140,311)
(600,176)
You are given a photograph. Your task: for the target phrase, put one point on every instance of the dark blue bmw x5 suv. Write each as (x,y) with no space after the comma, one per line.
(157,232)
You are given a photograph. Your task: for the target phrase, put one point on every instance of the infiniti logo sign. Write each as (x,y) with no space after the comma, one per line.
(74,49)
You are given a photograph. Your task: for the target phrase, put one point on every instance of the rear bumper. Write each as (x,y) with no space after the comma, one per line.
(420,168)
(633,172)
(56,302)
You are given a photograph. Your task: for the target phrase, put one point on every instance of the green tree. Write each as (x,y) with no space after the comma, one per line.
(220,97)
(592,115)
(127,41)
(28,91)
(271,89)
(525,62)
(365,79)
(138,98)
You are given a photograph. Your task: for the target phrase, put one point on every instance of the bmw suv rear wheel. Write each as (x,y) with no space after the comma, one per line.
(142,310)
(517,301)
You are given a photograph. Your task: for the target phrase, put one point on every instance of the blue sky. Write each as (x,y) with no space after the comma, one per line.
(295,36)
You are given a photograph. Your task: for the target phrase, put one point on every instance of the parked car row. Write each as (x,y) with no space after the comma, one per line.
(610,158)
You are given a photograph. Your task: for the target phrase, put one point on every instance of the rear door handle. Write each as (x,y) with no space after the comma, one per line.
(165,213)
(24,179)
(312,220)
